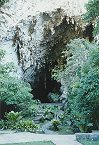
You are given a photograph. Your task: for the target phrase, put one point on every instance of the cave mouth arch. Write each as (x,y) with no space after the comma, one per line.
(44,84)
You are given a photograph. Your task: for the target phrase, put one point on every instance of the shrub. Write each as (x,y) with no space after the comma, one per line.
(76,54)
(54,97)
(85,101)
(27,125)
(92,14)
(15,121)
(84,98)
(12,90)
(55,124)
(80,77)
(51,112)
(29,109)
(2,124)
(12,118)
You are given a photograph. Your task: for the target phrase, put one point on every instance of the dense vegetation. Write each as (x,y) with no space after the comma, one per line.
(12,90)
(79,76)
(18,94)
(92,14)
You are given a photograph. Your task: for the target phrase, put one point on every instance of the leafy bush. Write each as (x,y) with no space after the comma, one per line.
(54,97)
(27,125)
(84,98)
(51,112)
(15,121)
(55,124)
(85,101)
(2,124)
(92,14)
(29,109)
(80,77)
(12,90)
(77,52)
(12,118)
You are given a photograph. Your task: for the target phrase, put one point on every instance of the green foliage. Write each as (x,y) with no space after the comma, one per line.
(2,53)
(2,124)
(77,53)
(94,58)
(92,14)
(81,77)
(54,97)
(96,28)
(92,10)
(11,120)
(65,130)
(2,2)
(15,120)
(56,124)
(12,90)
(84,98)
(30,109)
(13,117)
(27,125)
(51,112)
(16,92)
(85,102)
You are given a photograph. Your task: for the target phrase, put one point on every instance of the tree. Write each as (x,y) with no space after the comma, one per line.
(81,76)
(92,14)
(84,98)
(12,90)
(76,54)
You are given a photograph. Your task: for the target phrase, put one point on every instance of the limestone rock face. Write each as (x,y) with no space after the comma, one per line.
(28,21)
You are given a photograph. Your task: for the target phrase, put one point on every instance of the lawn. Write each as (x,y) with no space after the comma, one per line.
(90,142)
(33,143)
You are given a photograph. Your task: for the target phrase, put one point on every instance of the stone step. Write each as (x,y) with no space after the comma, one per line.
(30,137)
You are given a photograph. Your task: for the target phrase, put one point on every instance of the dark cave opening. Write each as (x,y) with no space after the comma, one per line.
(44,84)
(88,33)
(6,108)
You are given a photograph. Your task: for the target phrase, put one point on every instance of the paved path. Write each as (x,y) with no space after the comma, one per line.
(12,137)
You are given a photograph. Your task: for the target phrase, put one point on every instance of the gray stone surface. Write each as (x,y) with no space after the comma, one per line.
(6,131)
(29,137)
(46,130)
(88,136)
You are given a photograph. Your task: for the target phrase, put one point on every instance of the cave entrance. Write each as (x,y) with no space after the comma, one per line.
(44,85)
(88,32)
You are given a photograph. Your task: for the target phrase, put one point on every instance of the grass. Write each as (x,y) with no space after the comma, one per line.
(33,143)
(90,142)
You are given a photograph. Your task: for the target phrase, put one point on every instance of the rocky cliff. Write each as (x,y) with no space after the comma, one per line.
(34,33)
